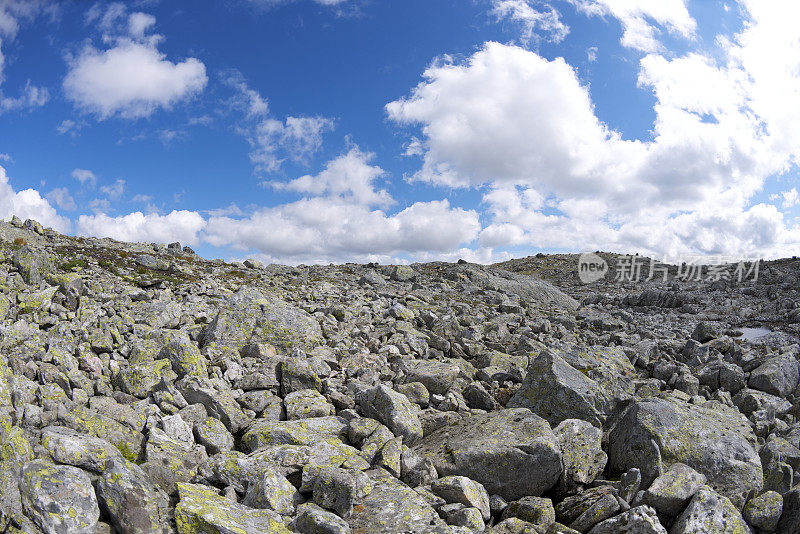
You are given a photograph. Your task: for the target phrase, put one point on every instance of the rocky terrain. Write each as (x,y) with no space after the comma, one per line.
(144,389)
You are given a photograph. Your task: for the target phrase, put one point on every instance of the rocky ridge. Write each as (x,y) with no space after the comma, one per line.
(144,389)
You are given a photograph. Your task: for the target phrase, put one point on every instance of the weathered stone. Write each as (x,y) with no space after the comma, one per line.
(59,498)
(778,375)
(671,492)
(394,410)
(581,452)
(580,384)
(184,355)
(80,450)
(213,435)
(538,511)
(219,404)
(201,510)
(318,521)
(129,499)
(437,377)
(458,489)
(638,520)
(306,403)
(512,453)
(300,432)
(764,511)
(393,507)
(711,513)
(272,491)
(713,439)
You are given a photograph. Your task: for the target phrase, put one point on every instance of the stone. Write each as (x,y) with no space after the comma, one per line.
(129,442)
(580,384)
(437,377)
(340,489)
(710,513)
(213,435)
(201,510)
(168,461)
(764,511)
(300,432)
(297,374)
(318,521)
(671,492)
(582,455)
(129,499)
(605,507)
(638,520)
(789,522)
(538,511)
(306,403)
(705,332)
(183,355)
(141,379)
(469,518)
(394,410)
(59,498)
(459,489)
(715,440)
(271,490)
(32,264)
(512,453)
(393,507)
(219,404)
(777,376)
(80,450)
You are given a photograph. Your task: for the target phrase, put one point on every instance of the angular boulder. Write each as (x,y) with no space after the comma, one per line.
(715,440)
(513,453)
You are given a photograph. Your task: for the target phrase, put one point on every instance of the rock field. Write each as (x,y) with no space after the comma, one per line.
(144,389)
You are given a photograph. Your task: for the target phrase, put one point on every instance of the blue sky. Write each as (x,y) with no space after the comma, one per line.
(362,130)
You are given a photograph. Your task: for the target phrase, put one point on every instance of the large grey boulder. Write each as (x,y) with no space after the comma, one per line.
(581,453)
(249,316)
(715,440)
(32,264)
(201,509)
(710,513)
(129,499)
(393,507)
(578,384)
(513,453)
(778,375)
(436,376)
(671,492)
(80,450)
(59,498)
(394,410)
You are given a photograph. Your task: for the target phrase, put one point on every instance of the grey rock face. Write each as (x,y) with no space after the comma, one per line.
(578,384)
(129,498)
(581,452)
(394,410)
(671,492)
(655,433)
(777,376)
(393,507)
(639,520)
(60,499)
(711,513)
(512,453)
(201,507)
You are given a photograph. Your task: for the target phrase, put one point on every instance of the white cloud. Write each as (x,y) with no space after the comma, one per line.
(115,190)
(133,78)
(62,198)
(28,204)
(532,16)
(273,140)
(324,229)
(183,226)
(6,157)
(591,54)
(561,178)
(790,198)
(349,177)
(637,18)
(85,177)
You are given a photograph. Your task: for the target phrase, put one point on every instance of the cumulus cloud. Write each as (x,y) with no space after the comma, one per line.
(642,20)
(85,177)
(61,197)
(324,229)
(28,204)
(559,177)
(272,140)
(115,190)
(533,17)
(349,177)
(183,226)
(132,79)
(788,199)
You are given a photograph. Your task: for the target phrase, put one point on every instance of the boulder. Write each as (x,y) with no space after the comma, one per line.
(512,453)
(579,384)
(715,440)
(394,410)
(710,513)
